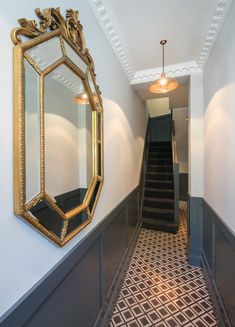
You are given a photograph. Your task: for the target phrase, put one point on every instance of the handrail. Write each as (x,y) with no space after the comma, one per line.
(174,151)
(144,169)
(173,143)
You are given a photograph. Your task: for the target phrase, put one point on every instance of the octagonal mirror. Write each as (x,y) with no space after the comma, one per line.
(58,119)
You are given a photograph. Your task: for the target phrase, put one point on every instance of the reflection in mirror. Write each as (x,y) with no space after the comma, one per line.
(73,56)
(93,90)
(77,221)
(46,53)
(68,140)
(32,132)
(92,202)
(47,217)
(99,131)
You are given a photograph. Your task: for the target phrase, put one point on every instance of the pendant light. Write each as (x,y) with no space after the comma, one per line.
(82,97)
(164,84)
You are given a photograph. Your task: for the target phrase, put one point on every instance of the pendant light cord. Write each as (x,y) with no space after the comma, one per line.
(163,61)
(163,42)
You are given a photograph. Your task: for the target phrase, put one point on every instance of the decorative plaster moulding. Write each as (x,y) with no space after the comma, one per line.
(108,22)
(149,75)
(218,18)
(106,18)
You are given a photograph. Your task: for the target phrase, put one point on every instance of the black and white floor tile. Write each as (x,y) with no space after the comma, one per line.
(160,288)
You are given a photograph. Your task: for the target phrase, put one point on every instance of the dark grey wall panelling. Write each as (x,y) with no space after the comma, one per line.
(133,216)
(213,246)
(183,181)
(219,261)
(80,289)
(195,230)
(114,246)
(76,300)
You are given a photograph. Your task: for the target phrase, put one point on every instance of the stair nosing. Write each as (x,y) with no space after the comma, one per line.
(150,198)
(159,180)
(161,210)
(159,222)
(159,189)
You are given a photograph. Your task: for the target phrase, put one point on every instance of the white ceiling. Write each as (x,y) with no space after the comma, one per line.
(184,23)
(134,29)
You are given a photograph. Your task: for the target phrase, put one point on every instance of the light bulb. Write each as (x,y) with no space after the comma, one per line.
(163,80)
(84,96)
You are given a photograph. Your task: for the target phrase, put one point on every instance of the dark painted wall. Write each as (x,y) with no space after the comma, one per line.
(81,288)
(218,251)
(183,183)
(212,244)
(160,128)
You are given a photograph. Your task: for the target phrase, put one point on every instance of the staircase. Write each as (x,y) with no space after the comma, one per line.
(158,206)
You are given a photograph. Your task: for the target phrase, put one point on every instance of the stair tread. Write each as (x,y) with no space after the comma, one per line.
(160,143)
(159,181)
(151,198)
(163,162)
(158,210)
(159,221)
(159,189)
(161,225)
(158,166)
(165,173)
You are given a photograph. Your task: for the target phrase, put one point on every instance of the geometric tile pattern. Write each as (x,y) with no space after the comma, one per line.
(160,288)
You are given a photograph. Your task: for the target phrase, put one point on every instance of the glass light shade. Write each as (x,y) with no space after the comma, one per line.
(163,84)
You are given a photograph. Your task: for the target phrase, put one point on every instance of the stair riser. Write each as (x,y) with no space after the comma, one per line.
(161,228)
(162,177)
(159,194)
(160,162)
(159,169)
(155,149)
(160,155)
(159,204)
(162,185)
(166,144)
(162,216)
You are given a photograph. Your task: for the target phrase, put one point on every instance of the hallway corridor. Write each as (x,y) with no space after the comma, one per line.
(160,287)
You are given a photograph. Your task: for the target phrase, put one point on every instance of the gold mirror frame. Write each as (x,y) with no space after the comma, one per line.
(53,24)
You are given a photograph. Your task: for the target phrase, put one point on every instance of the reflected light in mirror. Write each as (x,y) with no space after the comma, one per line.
(82,98)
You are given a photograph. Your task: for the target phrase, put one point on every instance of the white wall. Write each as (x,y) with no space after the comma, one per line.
(181,137)
(62,172)
(195,135)
(25,255)
(219,139)
(158,107)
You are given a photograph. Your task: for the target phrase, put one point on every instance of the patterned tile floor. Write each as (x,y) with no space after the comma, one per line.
(160,288)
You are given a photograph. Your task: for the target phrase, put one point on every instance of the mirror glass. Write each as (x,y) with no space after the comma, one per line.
(32,132)
(93,90)
(74,57)
(68,139)
(46,53)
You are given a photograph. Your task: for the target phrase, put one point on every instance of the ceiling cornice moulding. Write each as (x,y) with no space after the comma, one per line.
(106,18)
(217,20)
(109,24)
(149,75)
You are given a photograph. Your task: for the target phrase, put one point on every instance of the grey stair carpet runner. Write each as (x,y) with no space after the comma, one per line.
(158,208)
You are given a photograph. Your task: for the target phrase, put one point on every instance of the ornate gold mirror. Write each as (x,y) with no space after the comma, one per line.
(58,119)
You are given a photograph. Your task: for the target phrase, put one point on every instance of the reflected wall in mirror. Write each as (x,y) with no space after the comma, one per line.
(58,126)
